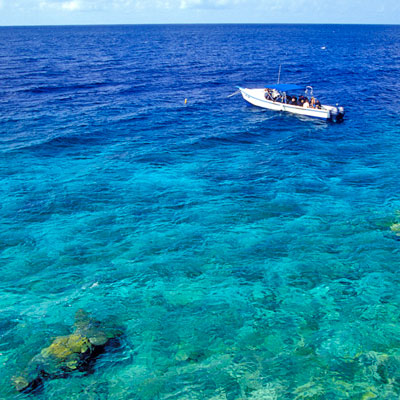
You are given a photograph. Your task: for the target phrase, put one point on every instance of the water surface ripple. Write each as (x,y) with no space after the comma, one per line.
(246,254)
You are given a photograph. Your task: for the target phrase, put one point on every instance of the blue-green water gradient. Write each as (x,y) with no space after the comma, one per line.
(246,254)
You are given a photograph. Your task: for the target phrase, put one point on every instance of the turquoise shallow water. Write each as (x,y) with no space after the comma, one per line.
(245,254)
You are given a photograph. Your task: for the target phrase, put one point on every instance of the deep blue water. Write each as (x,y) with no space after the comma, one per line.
(246,254)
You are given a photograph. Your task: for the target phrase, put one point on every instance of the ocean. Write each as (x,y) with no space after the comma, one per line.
(243,253)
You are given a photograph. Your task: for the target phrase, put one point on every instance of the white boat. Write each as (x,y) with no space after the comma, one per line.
(276,97)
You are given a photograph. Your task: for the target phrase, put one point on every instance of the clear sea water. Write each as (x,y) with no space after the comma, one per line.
(246,254)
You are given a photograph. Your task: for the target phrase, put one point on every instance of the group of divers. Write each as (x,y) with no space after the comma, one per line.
(302,101)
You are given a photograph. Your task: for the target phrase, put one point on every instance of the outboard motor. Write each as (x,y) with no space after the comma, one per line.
(337,114)
(340,116)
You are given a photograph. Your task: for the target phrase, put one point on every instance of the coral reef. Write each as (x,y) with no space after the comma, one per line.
(65,354)
(395,228)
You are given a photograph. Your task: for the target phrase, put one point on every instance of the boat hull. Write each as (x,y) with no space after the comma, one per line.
(257,98)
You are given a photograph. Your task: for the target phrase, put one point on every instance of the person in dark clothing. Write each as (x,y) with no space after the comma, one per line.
(301,101)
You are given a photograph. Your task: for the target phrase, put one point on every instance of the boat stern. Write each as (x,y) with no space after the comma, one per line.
(336,113)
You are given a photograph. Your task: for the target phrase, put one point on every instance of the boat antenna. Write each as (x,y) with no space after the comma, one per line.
(279,73)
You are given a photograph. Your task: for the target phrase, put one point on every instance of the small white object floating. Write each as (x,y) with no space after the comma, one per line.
(323,48)
(276,97)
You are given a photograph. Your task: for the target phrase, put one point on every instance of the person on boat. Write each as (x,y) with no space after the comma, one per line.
(274,94)
(293,101)
(268,94)
(306,104)
(302,100)
(312,102)
(317,104)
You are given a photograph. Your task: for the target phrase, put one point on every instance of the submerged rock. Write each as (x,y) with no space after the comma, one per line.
(76,351)
(395,228)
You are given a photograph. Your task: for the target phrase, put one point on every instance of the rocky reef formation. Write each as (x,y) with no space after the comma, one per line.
(65,354)
(395,227)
